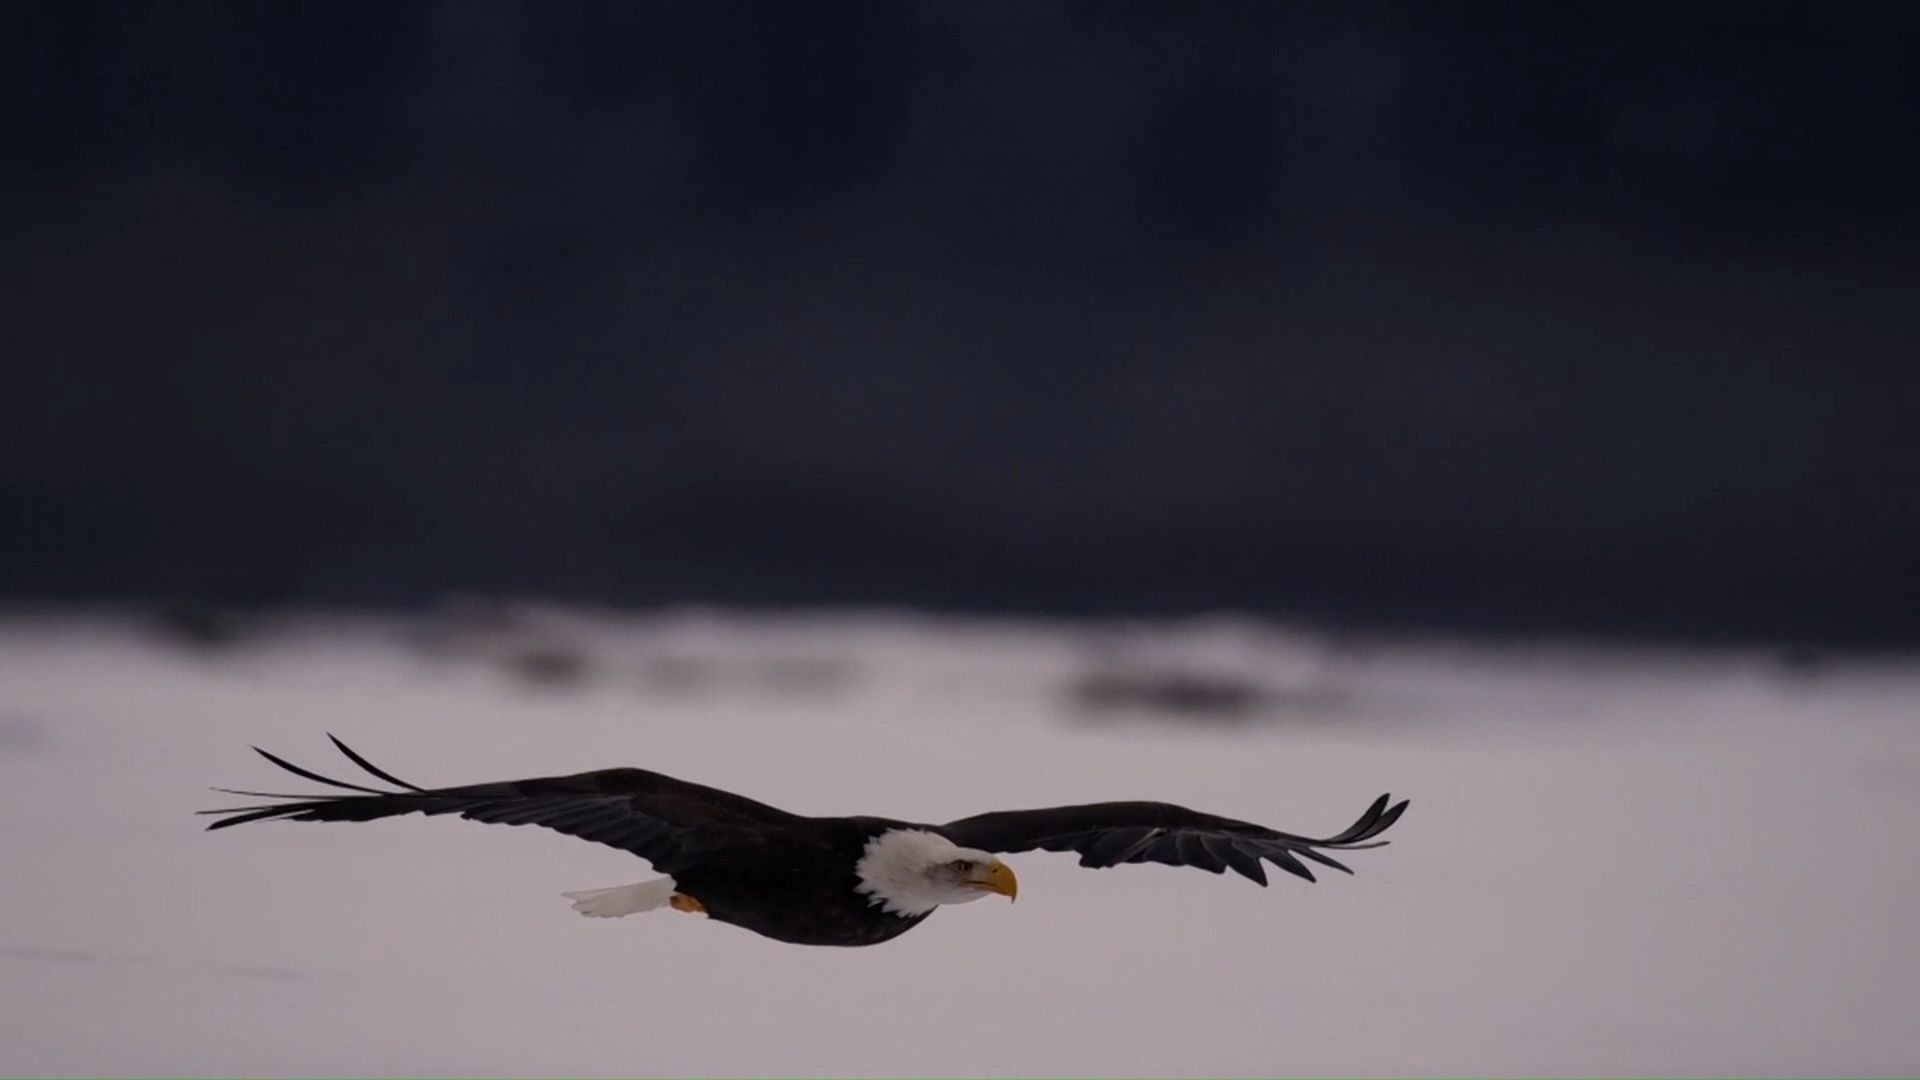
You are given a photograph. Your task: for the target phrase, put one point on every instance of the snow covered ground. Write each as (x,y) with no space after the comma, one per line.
(1615,862)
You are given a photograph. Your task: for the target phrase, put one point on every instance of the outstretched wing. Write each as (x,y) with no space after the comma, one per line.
(668,822)
(1108,834)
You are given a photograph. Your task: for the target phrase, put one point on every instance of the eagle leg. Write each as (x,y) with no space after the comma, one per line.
(682,902)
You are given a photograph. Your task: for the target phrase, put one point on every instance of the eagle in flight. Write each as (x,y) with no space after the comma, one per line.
(814,880)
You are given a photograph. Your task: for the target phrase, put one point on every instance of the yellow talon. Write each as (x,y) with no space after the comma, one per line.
(682,902)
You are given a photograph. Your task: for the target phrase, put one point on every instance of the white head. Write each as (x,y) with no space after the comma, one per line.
(912,871)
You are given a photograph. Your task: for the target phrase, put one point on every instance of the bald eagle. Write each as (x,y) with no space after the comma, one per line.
(813,880)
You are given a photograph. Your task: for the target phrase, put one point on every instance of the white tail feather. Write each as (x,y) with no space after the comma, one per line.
(622,899)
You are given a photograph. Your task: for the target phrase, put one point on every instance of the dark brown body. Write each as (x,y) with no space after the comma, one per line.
(797,884)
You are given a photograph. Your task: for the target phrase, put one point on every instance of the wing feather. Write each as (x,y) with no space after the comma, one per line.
(1107,849)
(666,821)
(1285,860)
(1322,859)
(1109,834)
(1193,847)
(1242,862)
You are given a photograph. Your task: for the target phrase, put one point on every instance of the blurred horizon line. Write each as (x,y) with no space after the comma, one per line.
(217,622)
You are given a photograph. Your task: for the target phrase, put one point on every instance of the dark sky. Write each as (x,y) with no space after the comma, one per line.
(1591,317)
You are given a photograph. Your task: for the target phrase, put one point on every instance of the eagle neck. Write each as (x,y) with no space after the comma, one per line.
(892,871)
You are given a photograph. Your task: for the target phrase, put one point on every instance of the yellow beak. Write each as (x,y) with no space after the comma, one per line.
(998,877)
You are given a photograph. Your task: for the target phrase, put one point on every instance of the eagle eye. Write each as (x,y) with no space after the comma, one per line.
(965,866)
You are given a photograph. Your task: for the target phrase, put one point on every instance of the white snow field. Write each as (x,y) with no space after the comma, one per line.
(1615,862)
